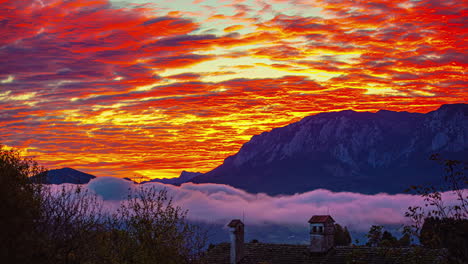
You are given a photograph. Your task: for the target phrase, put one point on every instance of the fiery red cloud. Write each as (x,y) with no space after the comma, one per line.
(146,91)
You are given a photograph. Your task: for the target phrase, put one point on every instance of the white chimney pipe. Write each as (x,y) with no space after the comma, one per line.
(236,228)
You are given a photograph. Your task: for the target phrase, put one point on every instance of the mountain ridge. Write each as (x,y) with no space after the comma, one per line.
(344,151)
(184,177)
(63,175)
(70,175)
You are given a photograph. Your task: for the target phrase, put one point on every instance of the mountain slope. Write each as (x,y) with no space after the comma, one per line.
(347,151)
(64,175)
(185,176)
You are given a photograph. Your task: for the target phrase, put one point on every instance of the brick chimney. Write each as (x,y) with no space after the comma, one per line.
(322,231)
(236,227)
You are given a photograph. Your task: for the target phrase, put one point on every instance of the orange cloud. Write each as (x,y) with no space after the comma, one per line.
(109,90)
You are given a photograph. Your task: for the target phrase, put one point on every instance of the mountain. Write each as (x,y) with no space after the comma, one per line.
(185,176)
(351,151)
(64,175)
(128,179)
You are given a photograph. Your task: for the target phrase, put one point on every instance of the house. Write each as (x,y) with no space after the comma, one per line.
(320,250)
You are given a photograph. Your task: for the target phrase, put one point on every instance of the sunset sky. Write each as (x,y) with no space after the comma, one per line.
(147,89)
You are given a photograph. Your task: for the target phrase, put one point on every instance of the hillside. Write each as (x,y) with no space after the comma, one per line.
(351,151)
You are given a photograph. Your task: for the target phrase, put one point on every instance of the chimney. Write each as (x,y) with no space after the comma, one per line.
(322,231)
(236,227)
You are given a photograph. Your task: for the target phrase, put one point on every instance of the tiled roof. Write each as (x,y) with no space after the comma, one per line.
(321,219)
(256,253)
(235,223)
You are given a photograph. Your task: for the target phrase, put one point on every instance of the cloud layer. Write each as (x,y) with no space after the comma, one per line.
(152,89)
(216,203)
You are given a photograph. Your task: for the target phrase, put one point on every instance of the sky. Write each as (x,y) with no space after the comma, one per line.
(147,89)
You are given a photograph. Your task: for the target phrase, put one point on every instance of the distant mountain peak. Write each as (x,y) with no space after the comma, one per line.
(64,175)
(184,177)
(454,106)
(347,151)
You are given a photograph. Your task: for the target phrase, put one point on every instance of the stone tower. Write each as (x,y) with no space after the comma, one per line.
(322,231)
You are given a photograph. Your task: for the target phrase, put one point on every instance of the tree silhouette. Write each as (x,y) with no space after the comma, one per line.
(20,207)
(67,225)
(341,236)
(388,240)
(374,236)
(440,223)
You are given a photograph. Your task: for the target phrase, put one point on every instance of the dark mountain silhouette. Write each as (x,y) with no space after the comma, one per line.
(348,151)
(64,175)
(128,179)
(185,176)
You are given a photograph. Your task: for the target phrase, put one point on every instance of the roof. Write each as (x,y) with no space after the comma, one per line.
(256,253)
(321,219)
(235,223)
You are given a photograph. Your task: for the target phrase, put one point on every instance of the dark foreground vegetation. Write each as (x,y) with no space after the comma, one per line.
(439,223)
(66,225)
(69,225)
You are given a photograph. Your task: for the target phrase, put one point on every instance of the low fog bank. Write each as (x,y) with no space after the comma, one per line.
(217,204)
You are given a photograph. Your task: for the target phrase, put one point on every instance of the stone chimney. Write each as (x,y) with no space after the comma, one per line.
(322,231)
(236,227)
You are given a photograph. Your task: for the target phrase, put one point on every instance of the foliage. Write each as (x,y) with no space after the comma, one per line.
(378,237)
(66,224)
(388,240)
(71,221)
(157,230)
(374,236)
(341,236)
(347,235)
(456,182)
(405,240)
(447,233)
(19,207)
(440,224)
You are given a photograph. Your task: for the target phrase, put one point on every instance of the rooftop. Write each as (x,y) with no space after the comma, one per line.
(321,219)
(235,223)
(256,253)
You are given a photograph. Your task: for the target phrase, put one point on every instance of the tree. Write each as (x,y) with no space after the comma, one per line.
(20,207)
(71,221)
(447,233)
(347,235)
(456,183)
(405,240)
(374,236)
(377,236)
(341,236)
(440,223)
(54,225)
(388,240)
(157,231)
